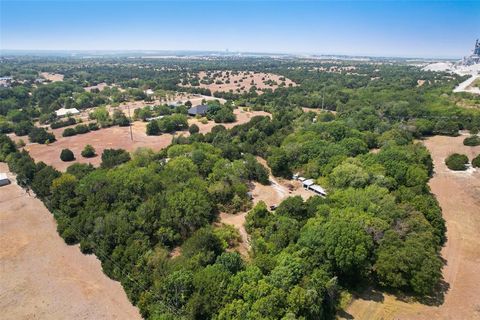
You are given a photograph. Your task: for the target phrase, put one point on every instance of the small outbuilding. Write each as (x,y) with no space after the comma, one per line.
(62,112)
(4,179)
(199,110)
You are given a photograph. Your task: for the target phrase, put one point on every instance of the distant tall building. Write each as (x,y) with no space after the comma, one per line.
(473,58)
(477,48)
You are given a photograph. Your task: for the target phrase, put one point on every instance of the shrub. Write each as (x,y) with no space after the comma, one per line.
(40,135)
(81,129)
(120,119)
(446,128)
(69,132)
(152,128)
(67,155)
(6,127)
(93,126)
(22,128)
(21,143)
(79,170)
(472,141)
(476,161)
(457,162)
(114,157)
(193,129)
(63,123)
(88,151)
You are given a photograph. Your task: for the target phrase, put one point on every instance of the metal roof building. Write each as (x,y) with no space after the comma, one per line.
(317,189)
(63,112)
(308,183)
(201,110)
(4,179)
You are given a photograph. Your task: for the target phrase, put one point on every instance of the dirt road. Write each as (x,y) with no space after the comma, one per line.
(272,194)
(459,197)
(43,278)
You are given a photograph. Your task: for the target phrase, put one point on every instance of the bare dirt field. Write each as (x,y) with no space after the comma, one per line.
(459,196)
(54,77)
(43,278)
(241,81)
(99,86)
(115,137)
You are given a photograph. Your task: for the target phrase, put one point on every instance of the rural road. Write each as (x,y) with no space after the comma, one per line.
(465,85)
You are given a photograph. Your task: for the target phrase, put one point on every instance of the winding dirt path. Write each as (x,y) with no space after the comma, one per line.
(459,196)
(43,278)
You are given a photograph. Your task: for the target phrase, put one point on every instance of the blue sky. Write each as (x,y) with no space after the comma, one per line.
(382,28)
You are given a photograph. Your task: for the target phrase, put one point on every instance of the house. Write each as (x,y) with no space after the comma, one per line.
(149,92)
(4,179)
(199,110)
(5,81)
(62,112)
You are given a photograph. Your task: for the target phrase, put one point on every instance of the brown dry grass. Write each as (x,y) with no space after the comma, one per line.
(54,77)
(246,77)
(459,196)
(43,278)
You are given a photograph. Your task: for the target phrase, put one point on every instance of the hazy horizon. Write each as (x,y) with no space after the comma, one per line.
(409,29)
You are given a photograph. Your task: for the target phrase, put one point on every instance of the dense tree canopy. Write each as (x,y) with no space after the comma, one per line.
(152,217)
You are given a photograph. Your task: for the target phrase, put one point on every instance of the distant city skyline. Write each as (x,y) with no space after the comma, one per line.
(443,29)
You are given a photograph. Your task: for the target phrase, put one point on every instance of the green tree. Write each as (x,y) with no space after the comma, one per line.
(476,162)
(40,135)
(67,155)
(457,162)
(152,128)
(193,129)
(114,157)
(88,151)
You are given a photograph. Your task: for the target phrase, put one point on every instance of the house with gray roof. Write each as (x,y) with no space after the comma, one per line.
(199,110)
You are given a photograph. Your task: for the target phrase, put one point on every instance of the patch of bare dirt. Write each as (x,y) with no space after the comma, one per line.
(459,196)
(99,86)
(54,77)
(420,82)
(238,221)
(43,278)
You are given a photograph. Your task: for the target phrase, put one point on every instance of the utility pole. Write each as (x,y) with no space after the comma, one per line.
(323,97)
(130,122)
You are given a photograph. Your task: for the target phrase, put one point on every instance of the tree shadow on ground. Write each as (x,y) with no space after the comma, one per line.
(370,294)
(342,314)
(437,298)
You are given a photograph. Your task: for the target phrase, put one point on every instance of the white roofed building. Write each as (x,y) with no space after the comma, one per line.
(62,112)
(307,183)
(317,189)
(4,179)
